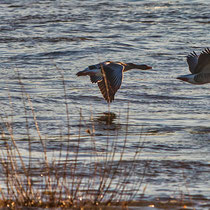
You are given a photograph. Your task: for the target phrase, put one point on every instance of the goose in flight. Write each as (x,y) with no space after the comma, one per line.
(199,66)
(109,75)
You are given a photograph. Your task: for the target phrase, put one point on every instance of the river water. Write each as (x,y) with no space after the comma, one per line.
(40,40)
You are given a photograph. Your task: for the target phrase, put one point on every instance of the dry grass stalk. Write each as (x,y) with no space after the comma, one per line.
(61,183)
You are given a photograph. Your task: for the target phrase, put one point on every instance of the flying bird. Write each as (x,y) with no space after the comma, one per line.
(199,66)
(109,75)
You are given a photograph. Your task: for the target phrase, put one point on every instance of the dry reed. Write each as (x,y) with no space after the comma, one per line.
(64,180)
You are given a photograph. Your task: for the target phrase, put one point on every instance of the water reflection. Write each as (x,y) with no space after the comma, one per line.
(107,121)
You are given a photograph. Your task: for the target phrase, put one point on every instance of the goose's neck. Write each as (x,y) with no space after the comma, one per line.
(129,66)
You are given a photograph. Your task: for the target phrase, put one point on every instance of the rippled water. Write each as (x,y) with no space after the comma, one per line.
(39,39)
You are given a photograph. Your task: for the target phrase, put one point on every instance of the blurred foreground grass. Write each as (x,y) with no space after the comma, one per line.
(61,179)
(41,175)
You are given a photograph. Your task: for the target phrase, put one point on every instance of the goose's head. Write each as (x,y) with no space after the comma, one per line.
(187,78)
(129,66)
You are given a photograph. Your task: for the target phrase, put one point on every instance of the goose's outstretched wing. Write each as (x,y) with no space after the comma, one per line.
(112,80)
(203,62)
(106,90)
(95,79)
(192,60)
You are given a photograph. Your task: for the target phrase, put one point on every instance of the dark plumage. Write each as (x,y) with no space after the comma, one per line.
(199,66)
(109,75)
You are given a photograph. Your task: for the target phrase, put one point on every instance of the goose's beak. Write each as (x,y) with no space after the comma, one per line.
(183,78)
(149,67)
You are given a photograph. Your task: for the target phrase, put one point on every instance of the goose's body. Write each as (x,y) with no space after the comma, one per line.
(199,66)
(109,75)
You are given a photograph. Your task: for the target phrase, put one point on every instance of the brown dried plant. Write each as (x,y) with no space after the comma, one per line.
(64,181)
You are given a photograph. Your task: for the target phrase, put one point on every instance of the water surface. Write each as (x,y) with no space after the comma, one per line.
(42,39)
